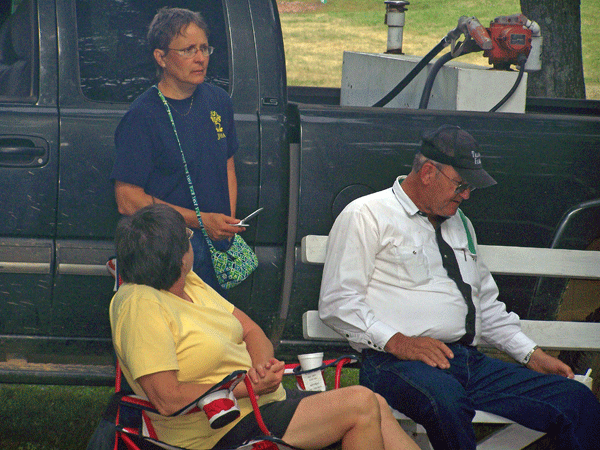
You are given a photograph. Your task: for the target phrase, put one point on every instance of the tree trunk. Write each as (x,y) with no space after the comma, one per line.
(562,63)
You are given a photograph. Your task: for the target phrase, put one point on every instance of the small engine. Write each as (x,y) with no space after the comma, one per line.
(511,38)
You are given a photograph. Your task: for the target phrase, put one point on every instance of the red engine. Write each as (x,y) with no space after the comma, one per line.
(510,38)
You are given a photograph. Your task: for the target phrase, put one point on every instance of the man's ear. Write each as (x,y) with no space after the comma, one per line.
(159,56)
(427,173)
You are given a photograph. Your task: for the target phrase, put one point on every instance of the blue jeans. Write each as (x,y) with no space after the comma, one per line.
(444,401)
(203,266)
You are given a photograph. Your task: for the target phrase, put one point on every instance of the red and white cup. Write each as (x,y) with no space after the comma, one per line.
(220,407)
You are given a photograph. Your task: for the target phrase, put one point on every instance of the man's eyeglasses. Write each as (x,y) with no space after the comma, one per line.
(460,186)
(189,233)
(192,50)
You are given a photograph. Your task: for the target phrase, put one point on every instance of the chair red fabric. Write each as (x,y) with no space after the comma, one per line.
(137,432)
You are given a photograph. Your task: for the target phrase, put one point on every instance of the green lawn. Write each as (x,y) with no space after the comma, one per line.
(64,417)
(49,417)
(316,34)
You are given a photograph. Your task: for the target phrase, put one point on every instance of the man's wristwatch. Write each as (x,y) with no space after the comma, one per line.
(528,355)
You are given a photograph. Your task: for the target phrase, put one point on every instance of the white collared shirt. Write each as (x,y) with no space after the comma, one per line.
(383,274)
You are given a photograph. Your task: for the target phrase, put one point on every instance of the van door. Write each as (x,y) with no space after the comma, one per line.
(28,168)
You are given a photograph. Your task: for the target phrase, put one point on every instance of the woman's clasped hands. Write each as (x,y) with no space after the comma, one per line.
(265,378)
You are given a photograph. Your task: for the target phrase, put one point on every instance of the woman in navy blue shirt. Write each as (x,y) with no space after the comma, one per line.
(149,167)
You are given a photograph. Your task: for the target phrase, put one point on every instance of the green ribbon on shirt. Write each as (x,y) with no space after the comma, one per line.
(469,237)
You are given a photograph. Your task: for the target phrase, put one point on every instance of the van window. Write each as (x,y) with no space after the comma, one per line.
(115,63)
(18,51)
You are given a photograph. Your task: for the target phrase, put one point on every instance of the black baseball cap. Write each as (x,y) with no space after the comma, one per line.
(453,146)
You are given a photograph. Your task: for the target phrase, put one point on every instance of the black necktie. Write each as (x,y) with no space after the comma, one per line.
(451,265)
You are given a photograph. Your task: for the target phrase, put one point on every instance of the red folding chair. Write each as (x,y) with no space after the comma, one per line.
(134,429)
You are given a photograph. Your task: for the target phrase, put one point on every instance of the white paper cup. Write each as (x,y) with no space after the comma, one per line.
(310,360)
(220,407)
(587,381)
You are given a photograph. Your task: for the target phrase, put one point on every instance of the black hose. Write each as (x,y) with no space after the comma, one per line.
(413,73)
(468,46)
(522,60)
(431,78)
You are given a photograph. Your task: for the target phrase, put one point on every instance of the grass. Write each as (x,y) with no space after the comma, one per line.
(316,37)
(64,417)
(49,417)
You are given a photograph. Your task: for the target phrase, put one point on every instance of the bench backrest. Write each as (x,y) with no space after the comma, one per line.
(503,260)
(550,335)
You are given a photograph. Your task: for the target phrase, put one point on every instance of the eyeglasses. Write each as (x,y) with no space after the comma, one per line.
(190,233)
(192,50)
(461,186)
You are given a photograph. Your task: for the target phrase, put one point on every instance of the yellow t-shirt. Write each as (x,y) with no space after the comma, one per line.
(155,331)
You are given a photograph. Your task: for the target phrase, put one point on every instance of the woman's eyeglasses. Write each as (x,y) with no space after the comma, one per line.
(192,50)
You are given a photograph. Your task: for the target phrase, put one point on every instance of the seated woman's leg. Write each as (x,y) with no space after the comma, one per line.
(354,415)
(430,396)
(394,436)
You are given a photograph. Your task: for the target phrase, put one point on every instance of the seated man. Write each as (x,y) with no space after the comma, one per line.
(403,281)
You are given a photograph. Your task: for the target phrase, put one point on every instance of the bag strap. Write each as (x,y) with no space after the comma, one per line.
(185,166)
(469,237)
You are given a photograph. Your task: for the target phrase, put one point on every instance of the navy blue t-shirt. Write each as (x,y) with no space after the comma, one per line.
(148,156)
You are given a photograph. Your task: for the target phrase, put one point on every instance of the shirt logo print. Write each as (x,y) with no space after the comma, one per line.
(217,121)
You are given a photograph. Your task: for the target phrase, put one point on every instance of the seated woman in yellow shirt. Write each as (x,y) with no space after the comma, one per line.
(175,337)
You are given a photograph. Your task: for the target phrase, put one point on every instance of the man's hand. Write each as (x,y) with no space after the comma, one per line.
(431,351)
(219,226)
(542,362)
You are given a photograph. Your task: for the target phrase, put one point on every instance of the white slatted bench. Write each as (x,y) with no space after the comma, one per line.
(549,335)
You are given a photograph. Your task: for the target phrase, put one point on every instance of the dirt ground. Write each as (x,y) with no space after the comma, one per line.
(296,7)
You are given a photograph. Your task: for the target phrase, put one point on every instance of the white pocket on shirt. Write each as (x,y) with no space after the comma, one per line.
(467,262)
(412,265)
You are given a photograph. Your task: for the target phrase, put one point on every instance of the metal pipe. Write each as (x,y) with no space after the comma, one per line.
(394,19)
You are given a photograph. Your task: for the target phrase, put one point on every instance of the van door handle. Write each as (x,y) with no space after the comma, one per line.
(23,152)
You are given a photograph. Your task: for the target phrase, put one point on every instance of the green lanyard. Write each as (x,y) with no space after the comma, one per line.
(469,237)
(187,172)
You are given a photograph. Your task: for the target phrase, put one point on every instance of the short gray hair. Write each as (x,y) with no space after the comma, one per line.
(420,160)
(168,23)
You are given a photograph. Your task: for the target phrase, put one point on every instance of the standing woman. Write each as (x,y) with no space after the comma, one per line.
(149,166)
